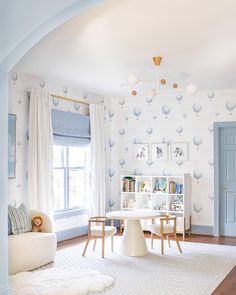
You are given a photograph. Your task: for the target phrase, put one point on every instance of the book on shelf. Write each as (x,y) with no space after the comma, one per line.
(129,185)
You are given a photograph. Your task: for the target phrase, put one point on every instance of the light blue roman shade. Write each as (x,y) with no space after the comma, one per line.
(70,128)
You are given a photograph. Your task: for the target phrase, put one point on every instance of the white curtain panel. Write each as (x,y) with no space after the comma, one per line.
(97,198)
(40,152)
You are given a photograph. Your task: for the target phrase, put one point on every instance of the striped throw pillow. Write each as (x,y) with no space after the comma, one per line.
(20,219)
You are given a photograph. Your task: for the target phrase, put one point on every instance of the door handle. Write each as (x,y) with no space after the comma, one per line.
(223,188)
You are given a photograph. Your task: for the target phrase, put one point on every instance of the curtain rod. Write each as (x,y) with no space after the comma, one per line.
(64,98)
(68,99)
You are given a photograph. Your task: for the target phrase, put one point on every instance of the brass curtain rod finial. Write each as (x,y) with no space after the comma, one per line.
(157,60)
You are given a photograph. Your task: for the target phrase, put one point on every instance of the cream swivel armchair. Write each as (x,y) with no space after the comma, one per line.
(166,227)
(99,231)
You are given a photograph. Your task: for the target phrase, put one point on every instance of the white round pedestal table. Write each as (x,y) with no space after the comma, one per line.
(133,241)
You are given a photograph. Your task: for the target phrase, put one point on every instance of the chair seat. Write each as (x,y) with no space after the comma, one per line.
(97,230)
(167,228)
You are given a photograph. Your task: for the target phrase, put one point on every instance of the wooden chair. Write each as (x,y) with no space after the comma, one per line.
(166,227)
(99,231)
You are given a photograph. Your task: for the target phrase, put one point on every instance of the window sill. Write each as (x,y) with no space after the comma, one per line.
(71,213)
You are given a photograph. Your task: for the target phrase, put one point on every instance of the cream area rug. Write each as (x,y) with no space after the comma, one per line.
(198,271)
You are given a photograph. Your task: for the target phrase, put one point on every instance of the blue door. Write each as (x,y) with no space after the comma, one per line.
(227,183)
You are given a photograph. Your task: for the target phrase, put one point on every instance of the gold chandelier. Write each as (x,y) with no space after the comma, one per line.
(133,79)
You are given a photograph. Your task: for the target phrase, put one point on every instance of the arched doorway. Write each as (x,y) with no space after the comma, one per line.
(8,63)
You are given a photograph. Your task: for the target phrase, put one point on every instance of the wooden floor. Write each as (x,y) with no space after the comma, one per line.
(226,287)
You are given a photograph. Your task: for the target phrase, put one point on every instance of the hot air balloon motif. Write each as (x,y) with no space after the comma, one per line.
(18,186)
(211,196)
(14,77)
(85,96)
(197,107)
(197,140)
(211,95)
(76,106)
(179,162)
(230,106)
(111,114)
(149,163)
(137,171)
(166,110)
(179,130)
(65,90)
(179,97)
(111,203)
(210,129)
(111,143)
(122,131)
(166,140)
(111,173)
(137,140)
(154,117)
(42,83)
(149,131)
(121,102)
(197,174)
(55,101)
(211,163)
(122,162)
(197,207)
(149,100)
(166,172)
(137,112)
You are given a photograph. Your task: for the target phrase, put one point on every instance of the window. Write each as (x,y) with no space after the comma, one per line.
(70,177)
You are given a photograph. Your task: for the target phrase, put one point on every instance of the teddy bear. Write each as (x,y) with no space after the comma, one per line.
(37,221)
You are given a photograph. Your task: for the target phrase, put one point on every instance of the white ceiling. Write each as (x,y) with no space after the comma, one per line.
(19,18)
(97,49)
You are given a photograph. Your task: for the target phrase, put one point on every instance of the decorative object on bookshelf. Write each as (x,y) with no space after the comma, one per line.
(179,151)
(159,151)
(141,151)
(160,185)
(177,205)
(144,186)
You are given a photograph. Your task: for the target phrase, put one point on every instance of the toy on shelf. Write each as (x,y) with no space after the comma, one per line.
(177,206)
(129,204)
(175,188)
(144,186)
(160,185)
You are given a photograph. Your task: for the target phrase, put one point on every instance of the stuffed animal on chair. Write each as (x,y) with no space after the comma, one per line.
(37,221)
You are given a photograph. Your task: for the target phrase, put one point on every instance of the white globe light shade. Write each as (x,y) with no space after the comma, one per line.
(191,88)
(151,93)
(132,79)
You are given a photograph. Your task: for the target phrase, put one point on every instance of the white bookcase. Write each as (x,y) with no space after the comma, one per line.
(164,194)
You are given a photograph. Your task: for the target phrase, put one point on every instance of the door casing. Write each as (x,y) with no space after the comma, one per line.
(217,127)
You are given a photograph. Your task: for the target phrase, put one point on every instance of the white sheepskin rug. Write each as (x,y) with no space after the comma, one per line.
(57,281)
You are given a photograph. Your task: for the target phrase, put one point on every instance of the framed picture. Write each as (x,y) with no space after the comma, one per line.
(179,151)
(141,151)
(11,146)
(159,151)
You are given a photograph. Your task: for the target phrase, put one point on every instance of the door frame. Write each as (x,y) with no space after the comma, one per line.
(217,128)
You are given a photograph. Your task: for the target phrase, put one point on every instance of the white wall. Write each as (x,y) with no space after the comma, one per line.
(215,108)
(19,105)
